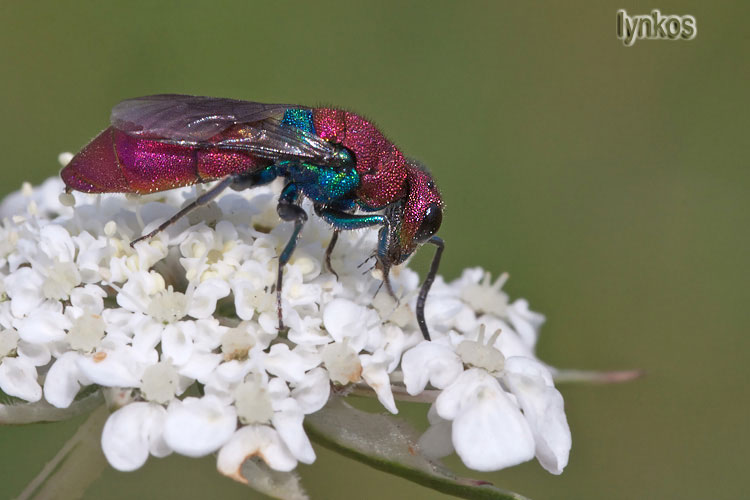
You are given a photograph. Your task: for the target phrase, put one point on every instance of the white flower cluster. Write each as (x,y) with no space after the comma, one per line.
(185,324)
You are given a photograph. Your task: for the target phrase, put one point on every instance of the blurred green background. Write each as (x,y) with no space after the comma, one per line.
(611,182)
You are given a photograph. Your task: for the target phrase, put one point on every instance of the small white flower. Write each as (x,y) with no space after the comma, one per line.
(214,253)
(93,253)
(23,287)
(509,404)
(86,332)
(61,278)
(482,412)
(253,402)
(44,324)
(18,378)
(159,382)
(481,355)
(482,295)
(136,294)
(342,362)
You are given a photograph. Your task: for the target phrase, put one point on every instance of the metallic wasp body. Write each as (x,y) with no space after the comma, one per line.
(354,176)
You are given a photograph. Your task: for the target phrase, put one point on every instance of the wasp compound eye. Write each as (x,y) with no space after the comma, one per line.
(433,217)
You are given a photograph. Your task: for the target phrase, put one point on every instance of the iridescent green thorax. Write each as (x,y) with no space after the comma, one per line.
(333,184)
(299,118)
(325,185)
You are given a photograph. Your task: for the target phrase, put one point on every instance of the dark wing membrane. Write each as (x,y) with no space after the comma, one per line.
(185,117)
(194,121)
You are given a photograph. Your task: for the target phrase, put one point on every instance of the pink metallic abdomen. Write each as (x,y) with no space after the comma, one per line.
(381,166)
(115,162)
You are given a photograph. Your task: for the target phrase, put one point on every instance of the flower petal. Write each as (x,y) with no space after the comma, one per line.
(436,440)
(196,427)
(61,383)
(205,296)
(429,362)
(285,364)
(491,418)
(24,287)
(112,368)
(254,440)
(375,374)
(176,343)
(131,432)
(543,407)
(44,325)
(313,392)
(288,422)
(18,378)
(343,318)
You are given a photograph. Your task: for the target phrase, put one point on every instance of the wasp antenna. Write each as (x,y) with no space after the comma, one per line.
(440,244)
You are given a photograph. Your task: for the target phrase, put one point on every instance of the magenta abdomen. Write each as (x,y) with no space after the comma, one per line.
(95,169)
(115,162)
(150,165)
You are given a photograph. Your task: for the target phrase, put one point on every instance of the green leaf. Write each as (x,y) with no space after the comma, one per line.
(17,411)
(389,444)
(78,463)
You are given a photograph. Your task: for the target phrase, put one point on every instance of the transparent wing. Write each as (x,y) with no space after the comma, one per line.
(195,121)
(174,116)
(269,139)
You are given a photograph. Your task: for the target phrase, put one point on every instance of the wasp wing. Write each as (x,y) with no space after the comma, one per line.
(195,121)
(185,117)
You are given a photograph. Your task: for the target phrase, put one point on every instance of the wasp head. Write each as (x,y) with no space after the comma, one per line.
(414,219)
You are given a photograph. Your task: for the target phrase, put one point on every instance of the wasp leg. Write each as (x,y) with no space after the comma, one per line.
(235,181)
(388,286)
(200,201)
(440,244)
(341,220)
(383,261)
(329,251)
(344,221)
(288,210)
